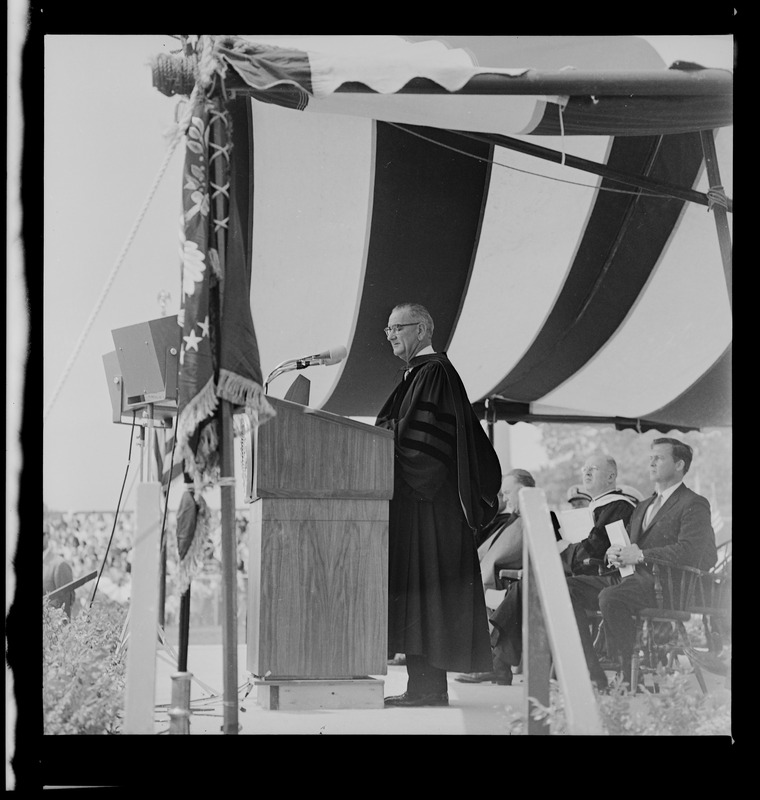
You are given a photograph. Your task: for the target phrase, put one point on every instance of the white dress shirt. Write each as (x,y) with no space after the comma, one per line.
(664,495)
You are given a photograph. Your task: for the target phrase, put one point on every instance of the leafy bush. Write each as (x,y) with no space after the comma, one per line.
(676,710)
(83,670)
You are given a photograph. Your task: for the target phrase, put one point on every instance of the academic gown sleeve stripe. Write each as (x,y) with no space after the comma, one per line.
(441,416)
(448,439)
(428,449)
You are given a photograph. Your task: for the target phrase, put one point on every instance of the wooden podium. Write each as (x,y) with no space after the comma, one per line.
(318,559)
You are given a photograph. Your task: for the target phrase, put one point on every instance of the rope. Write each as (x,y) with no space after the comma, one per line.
(176,138)
(637,192)
(562,129)
(716,196)
(174,74)
(204,68)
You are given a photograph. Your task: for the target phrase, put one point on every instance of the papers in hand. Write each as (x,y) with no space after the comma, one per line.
(575,524)
(618,535)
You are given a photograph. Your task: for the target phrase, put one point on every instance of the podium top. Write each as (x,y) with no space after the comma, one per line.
(310,453)
(327,416)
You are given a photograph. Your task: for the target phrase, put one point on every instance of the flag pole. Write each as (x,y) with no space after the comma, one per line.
(227,483)
(229,569)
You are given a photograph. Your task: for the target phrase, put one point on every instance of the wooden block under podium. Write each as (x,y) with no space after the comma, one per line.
(299,695)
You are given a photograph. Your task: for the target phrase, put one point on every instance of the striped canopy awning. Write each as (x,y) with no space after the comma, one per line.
(547,198)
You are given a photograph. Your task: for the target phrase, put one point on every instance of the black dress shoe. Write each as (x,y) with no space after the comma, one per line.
(501,678)
(407,700)
(599,680)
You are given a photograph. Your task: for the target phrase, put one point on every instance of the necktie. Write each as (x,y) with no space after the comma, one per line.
(654,508)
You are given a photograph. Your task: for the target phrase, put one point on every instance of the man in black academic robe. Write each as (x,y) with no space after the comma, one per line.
(446,481)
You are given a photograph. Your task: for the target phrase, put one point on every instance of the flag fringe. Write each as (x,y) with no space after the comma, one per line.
(196,411)
(192,564)
(245,392)
(231,387)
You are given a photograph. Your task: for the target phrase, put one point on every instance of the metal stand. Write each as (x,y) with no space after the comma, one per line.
(179,713)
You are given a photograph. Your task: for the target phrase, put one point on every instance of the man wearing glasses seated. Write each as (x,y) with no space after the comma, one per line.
(608,504)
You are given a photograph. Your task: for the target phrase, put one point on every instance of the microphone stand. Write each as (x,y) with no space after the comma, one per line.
(283,366)
(289,366)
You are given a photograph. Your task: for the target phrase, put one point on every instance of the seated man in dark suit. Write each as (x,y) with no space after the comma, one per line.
(674,524)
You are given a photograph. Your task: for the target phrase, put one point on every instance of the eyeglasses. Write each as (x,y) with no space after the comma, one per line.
(584,470)
(396,328)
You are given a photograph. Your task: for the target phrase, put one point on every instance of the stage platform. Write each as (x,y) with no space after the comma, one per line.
(480,709)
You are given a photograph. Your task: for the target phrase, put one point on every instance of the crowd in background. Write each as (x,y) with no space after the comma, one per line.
(82,538)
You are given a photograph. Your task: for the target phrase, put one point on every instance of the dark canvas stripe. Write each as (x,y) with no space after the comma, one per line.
(426,217)
(623,240)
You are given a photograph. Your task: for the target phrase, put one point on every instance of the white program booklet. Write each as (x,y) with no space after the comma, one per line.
(619,535)
(575,524)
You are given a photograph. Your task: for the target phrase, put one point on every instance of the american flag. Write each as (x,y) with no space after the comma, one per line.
(219,352)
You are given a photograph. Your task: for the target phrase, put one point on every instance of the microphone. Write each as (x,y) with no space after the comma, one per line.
(329,357)
(332,356)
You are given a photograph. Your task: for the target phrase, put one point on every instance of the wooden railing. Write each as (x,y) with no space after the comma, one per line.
(550,631)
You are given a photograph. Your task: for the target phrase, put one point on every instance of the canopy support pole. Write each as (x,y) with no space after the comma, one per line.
(719,211)
(585,165)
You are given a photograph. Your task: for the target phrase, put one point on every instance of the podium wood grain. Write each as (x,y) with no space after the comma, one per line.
(318,575)
(318,548)
(304,452)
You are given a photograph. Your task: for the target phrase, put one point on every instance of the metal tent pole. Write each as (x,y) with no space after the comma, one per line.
(719,210)
(585,165)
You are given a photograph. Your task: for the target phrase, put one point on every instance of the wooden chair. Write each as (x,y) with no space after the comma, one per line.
(661,636)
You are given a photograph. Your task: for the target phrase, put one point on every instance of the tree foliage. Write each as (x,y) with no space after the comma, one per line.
(83,670)
(567,446)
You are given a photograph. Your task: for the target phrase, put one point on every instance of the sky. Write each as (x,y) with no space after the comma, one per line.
(111,209)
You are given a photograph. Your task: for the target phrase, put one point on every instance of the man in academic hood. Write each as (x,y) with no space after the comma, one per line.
(608,504)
